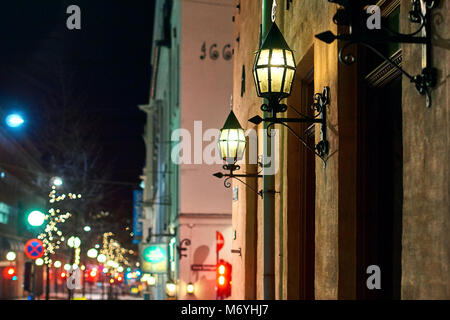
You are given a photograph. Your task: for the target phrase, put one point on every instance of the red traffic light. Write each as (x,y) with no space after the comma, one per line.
(92,275)
(9,273)
(223,278)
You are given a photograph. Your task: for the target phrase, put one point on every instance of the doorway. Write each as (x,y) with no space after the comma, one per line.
(380,178)
(301,187)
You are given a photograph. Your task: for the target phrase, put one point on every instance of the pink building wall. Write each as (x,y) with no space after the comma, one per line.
(206,87)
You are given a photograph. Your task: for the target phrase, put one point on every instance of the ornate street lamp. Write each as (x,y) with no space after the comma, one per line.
(232,146)
(232,141)
(274,72)
(274,69)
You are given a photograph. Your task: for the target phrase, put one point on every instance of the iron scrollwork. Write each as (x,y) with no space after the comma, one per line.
(231,175)
(321,101)
(180,247)
(352,15)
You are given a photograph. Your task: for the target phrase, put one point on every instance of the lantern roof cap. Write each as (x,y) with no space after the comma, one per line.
(232,122)
(274,39)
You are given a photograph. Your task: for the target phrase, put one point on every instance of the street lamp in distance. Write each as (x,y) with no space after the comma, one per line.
(74,242)
(57,181)
(11,256)
(101,258)
(36,218)
(14,120)
(92,253)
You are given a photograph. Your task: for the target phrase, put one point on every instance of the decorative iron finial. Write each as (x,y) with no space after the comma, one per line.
(274,10)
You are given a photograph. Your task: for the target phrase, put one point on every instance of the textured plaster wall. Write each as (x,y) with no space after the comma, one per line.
(426,154)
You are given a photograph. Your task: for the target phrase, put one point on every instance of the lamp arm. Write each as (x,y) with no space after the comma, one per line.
(303,141)
(422,81)
(259,193)
(227,182)
(349,59)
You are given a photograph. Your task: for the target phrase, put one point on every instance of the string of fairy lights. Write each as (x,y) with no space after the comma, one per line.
(51,236)
(114,253)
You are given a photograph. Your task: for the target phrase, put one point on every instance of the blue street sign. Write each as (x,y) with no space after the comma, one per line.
(137,214)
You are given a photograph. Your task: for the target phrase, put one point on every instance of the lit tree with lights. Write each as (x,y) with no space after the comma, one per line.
(52,236)
(115,254)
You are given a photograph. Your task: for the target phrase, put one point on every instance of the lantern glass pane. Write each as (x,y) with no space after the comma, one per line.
(263,57)
(277,78)
(241,149)
(277,58)
(223,143)
(290,59)
(232,144)
(232,148)
(263,79)
(256,81)
(288,81)
(242,143)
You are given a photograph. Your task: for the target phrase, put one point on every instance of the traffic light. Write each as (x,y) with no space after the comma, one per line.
(92,275)
(9,273)
(223,277)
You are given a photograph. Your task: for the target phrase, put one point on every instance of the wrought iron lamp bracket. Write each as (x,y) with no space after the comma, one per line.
(180,248)
(321,101)
(424,81)
(231,175)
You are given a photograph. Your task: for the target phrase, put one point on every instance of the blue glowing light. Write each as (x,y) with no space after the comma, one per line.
(14,120)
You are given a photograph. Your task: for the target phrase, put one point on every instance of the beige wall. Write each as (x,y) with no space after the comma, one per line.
(426,154)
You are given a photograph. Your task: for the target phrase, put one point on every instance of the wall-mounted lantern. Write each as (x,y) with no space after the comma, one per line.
(232,140)
(274,69)
(354,15)
(274,72)
(190,288)
(232,146)
(171,288)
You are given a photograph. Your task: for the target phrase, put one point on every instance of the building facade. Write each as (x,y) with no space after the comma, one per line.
(192,72)
(382,196)
(20,178)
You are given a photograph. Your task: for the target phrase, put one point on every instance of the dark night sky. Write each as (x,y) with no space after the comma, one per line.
(109,59)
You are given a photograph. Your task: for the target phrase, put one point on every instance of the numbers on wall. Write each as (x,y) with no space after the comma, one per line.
(214,53)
